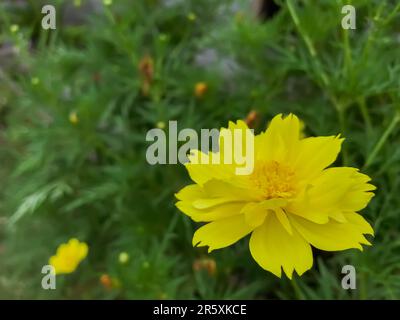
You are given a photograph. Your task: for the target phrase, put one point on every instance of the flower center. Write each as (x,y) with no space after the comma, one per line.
(275,180)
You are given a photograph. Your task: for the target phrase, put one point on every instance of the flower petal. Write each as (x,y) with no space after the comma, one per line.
(333,192)
(254,213)
(274,248)
(332,236)
(220,165)
(210,214)
(315,154)
(280,140)
(203,167)
(222,233)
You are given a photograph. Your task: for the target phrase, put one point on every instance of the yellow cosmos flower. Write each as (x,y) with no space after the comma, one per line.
(68,256)
(290,202)
(73,117)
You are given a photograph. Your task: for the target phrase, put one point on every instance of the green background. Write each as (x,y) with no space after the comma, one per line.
(90,180)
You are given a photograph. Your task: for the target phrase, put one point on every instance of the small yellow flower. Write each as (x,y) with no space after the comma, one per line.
(163,37)
(107,2)
(191,16)
(290,202)
(160,125)
(200,89)
(14,28)
(68,256)
(73,117)
(123,257)
(35,81)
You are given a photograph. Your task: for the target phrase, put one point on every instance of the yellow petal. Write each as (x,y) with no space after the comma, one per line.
(254,213)
(82,251)
(315,154)
(359,222)
(333,191)
(201,167)
(283,219)
(210,214)
(286,127)
(220,165)
(274,248)
(190,193)
(222,233)
(331,236)
(280,140)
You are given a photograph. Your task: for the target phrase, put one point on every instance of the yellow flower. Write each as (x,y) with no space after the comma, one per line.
(35,81)
(68,256)
(191,16)
(123,257)
(73,117)
(160,125)
(290,202)
(14,28)
(200,89)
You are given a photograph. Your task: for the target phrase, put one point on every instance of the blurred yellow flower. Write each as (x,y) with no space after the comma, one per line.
(14,28)
(160,125)
(73,117)
(68,256)
(191,16)
(123,257)
(163,37)
(35,81)
(290,202)
(200,89)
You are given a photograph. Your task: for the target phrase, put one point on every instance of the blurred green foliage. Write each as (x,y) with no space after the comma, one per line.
(88,178)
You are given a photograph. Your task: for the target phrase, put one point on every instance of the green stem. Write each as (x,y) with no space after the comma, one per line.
(296,289)
(364,111)
(382,140)
(342,123)
(363,287)
(347,51)
(305,36)
(308,42)
(394,12)
(340,108)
